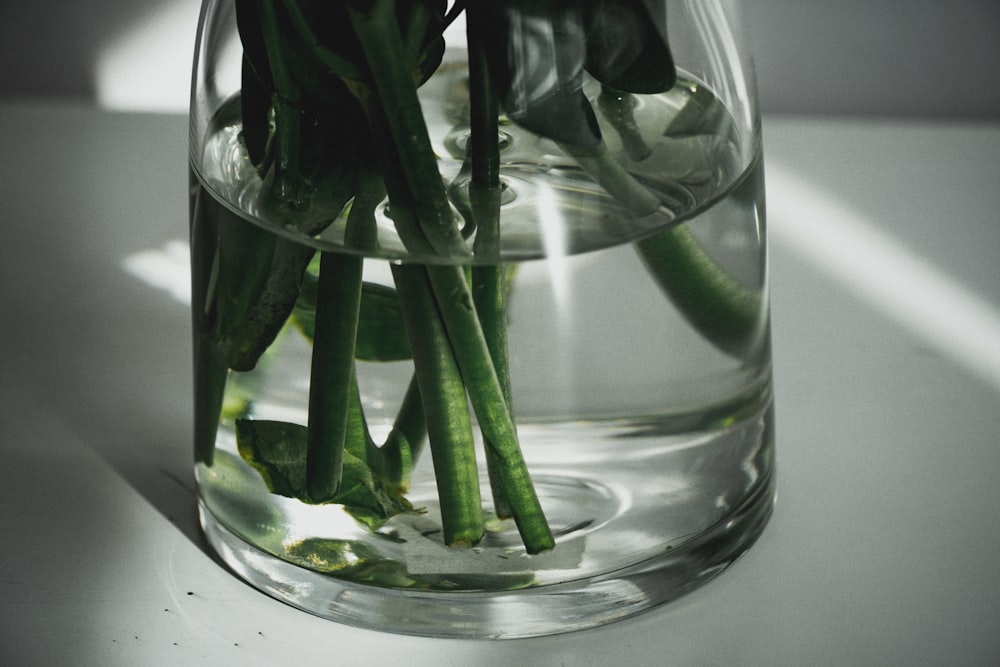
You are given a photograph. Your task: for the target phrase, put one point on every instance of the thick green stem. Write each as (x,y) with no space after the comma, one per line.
(402,204)
(489,290)
(445,405)
(337,306)
(383,45)
(489,283)
(455,304)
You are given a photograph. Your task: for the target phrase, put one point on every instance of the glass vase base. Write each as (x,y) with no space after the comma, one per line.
(519,612)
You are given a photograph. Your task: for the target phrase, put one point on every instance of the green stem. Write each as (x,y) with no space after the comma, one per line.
(486,395)
(489,283)
(336,417)
(337,306)
(446,408)
(362,232)
(383,45)
(489,289)
(405,441)
(728,314)
(359,441)
(484,110)
(618,107)
(402,205)
(601,166)
(725,312)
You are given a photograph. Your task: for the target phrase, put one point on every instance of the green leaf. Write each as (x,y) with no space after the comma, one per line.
(381,331)
(245,282)
(277,450)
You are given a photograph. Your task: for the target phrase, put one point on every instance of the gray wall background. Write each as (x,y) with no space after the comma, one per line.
(923,58)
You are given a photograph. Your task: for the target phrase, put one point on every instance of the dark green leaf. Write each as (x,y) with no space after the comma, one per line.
(252,38)
(247,282)
(535,53)
(627,45)
(273,304)
(255,106)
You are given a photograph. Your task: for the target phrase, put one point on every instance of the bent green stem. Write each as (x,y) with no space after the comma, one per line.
(725,312)
(730,315)
(405,441)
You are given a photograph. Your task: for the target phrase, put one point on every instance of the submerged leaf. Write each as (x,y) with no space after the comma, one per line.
(277,450)
(353,560)
(381,330)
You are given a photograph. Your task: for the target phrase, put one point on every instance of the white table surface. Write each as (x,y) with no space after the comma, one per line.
(885,541)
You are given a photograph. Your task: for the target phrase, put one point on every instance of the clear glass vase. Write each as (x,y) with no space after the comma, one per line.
(480,307)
